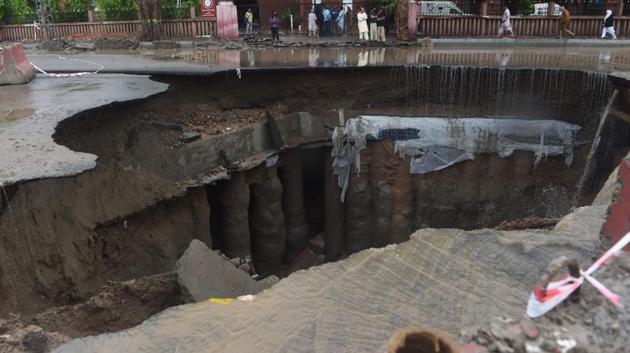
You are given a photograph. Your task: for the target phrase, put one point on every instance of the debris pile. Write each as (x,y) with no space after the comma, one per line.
(589,325)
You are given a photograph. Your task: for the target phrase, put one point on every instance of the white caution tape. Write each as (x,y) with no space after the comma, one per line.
(542,300)
(74,74)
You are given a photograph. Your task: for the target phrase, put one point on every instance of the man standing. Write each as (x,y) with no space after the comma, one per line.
(506,27)
(380,25)
(373,26)
(362,23)
(609,26)
(249,20)
(274,24)
(565,20)
(312,24)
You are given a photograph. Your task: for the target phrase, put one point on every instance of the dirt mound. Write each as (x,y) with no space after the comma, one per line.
(528,223)
(118,306)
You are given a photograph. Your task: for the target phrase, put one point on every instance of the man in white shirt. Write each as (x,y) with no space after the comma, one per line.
(363,27)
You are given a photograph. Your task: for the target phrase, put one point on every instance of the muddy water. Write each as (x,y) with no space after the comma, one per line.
(597,59)
(210,60)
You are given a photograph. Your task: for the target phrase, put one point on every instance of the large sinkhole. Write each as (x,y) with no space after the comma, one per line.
(245,164)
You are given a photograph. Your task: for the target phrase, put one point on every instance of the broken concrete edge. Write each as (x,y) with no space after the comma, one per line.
(31,152)
(14,67)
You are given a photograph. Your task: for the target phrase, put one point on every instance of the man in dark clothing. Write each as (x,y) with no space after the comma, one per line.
(380,25)
(274,24)
(372,18)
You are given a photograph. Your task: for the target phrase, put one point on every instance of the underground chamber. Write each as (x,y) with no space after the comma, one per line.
(251,166)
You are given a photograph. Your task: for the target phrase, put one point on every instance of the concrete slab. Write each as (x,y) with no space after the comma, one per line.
(30,113)
(204,274)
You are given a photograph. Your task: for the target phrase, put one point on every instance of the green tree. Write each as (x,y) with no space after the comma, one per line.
(17,11)
(171,9)
(525,7)
(3,7)
(117,10)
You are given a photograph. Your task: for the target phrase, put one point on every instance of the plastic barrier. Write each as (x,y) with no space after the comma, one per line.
(14,68)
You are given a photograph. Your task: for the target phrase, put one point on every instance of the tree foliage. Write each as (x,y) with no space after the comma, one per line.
(116,10)
(16,11)
(177,9)
(525,7)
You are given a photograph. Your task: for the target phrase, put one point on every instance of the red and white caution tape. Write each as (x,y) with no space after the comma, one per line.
(542,300)
(74,74)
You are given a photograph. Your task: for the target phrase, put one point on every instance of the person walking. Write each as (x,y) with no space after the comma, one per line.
(249,20)
(373,27)
(565,21)
(312,24)
(341,21)
(274,24)
(362,24)
(609,26)
(327,20)
(506,26)
(380,25)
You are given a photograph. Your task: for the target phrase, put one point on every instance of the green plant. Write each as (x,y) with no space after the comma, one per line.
(3,7)
(286,16)
(525,7)
(17,11)
(76,5)
(116,10)
(171,9)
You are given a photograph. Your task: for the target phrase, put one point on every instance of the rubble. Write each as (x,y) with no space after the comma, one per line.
(590,325)
(57,44)
(528,223)
(115,43)
(165,44)
(22,338)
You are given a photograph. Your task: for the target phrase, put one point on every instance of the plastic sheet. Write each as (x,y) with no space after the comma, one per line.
(436,143)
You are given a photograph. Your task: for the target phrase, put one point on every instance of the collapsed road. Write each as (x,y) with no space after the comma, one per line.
(108,180)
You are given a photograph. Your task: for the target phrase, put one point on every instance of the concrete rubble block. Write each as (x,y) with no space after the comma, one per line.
(203,273)
(14,68)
